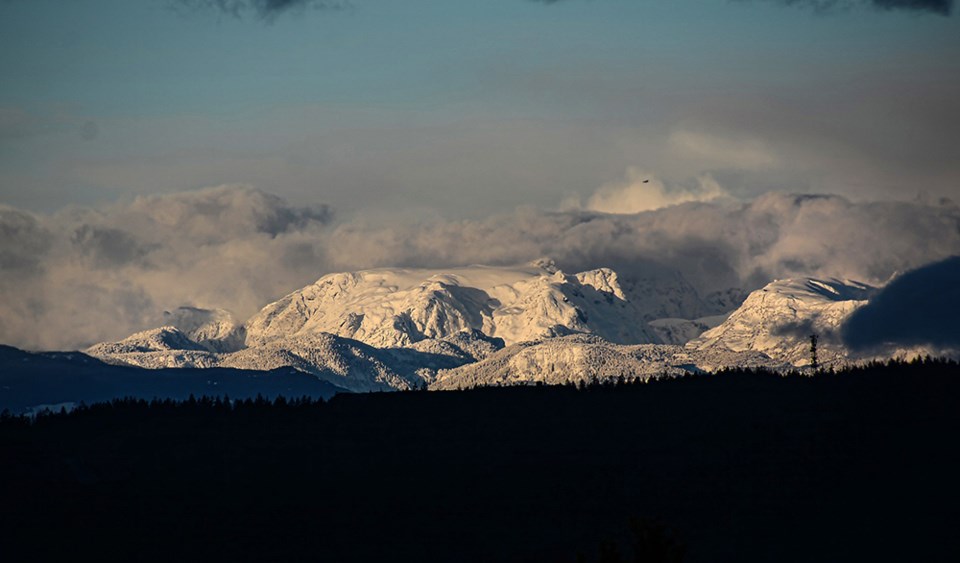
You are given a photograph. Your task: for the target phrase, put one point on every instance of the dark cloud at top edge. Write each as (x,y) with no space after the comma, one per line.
(263,9)
(941,7)
(270,9)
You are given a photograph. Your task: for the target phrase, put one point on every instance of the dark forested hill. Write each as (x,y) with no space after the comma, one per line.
(31,380)
(857,466)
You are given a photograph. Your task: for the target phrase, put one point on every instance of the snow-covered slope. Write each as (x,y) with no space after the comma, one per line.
(581,357)
(215,329)
(343,362)
(399,307)
(779,319)
(160,339)
(397,328)
(195,332)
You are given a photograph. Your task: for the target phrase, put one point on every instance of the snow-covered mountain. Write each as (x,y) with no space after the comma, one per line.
(215,329)
(406,328)
(346,363)
(771,328)
(581,357)
(163,339)
(778,320)
(396,328)
(391,308)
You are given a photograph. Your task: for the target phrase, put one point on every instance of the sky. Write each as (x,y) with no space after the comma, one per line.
(220,153)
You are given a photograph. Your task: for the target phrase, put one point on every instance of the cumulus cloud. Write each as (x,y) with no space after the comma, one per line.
(918,308)
(715,245)
(643,192)
(84,275)
(87,274)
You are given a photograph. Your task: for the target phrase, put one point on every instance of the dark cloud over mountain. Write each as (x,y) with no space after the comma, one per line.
(919,308)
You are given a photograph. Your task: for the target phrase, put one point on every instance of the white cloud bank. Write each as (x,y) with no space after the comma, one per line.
(643,192)
(84,275)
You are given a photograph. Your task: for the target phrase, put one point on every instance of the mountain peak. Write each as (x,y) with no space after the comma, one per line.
(779,318)
(214,329)
(830,289)
(161,339)
(398,307)
(546,264)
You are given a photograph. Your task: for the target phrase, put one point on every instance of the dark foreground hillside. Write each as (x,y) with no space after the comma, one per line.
(31,380)
(860,466)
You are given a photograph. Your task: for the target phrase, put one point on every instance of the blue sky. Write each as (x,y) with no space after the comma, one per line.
(149,58)
(160,153)
(462,107)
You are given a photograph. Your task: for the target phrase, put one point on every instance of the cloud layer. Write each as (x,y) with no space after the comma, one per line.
(84,275)
(643,192)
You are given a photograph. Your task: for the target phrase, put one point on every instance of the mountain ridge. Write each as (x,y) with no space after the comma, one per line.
(407,328)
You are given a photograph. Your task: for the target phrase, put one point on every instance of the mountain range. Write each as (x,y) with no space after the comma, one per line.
(395,329)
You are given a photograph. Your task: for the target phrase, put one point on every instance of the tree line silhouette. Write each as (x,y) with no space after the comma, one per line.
(741,465)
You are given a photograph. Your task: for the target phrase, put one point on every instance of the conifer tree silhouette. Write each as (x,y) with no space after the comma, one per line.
(814,363)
